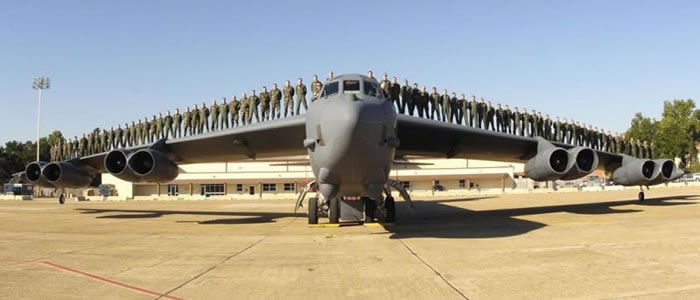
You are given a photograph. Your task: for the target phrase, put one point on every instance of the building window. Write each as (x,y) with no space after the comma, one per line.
(212,189)
(239,188)
(288,187)
(269,187)
(462,183)
(405,184)
(173,190)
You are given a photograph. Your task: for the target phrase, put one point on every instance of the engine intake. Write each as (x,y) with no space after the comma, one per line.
(582,161)
(153,166)
(35,175)
(66,175)
(549,164)
(663,171)
(634,171)
(116,164)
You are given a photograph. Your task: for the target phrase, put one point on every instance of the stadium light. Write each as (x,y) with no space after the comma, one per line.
(40,83)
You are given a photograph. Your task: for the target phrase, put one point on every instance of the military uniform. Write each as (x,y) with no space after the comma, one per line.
(214,115)
(265,105)
(446,113)
(234,106)
(423,107)
(203,118)
(245,110)
(507,116)
(301,97)
(394,93)
(315,90)
(406,98)
(253,102)
(435,105)
(474,113)
(454,110)
(275,99)
(167,126)
(464,109)
(223,114)
(490,113)
(177,125)
(385,85)
(288,100)
(499,120)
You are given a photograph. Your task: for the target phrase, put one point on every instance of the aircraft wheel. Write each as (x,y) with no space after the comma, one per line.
(313,210)
(62,198)
(370,209)
(640,196)
(334,210)
(390,208)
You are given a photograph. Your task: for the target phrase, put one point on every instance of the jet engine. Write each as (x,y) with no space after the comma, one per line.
(634,171)
(549,164)
(34,173)
(582,161)
(66,175)
(664,171)
(153,166)
(116,164)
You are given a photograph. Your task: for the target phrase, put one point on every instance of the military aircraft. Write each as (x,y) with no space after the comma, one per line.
(352,136)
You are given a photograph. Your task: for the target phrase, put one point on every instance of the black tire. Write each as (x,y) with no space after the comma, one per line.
(640,196)
(390,208)
(334,211)
(313,211)
(61,198)
(370,209)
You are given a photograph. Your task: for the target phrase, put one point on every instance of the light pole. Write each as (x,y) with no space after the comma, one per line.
(40,83)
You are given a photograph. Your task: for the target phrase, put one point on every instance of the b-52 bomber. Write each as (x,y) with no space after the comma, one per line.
(352,136)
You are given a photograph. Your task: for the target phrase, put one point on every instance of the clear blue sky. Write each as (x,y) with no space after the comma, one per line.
(114,61)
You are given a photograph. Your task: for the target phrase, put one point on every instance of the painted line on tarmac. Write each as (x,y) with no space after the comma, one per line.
(96,277)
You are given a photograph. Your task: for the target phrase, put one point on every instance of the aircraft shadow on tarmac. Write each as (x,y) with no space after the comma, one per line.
(433,219)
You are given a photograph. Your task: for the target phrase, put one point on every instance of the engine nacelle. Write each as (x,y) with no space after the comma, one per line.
(664,170)
(66,175)
(582,161)
(116,164)
(634,171)
(548,164)
(34,173)
(153,166)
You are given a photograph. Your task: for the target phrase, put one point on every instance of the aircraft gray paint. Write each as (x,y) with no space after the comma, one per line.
(352,135)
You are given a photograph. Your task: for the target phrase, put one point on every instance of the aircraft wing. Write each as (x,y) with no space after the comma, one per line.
(430,138)
(278,138)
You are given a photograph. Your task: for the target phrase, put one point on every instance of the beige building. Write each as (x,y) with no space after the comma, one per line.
(284,178)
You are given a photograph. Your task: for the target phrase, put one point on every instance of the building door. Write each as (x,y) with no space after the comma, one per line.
(251,190)
(173,190)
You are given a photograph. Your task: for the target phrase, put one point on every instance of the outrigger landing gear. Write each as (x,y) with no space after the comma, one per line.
(640,196)
(334,210)
(370,209)
(62,198)
(313,210)
(390,210)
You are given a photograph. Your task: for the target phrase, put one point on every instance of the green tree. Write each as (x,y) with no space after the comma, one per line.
(642,129)
(678,131)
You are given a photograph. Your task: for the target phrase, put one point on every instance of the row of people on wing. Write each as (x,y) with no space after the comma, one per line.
(410,100)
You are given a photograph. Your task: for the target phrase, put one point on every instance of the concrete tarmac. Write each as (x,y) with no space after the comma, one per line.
(533,246)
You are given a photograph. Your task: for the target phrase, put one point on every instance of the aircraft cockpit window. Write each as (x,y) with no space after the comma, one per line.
(330,88)
(351,86)
(372,89)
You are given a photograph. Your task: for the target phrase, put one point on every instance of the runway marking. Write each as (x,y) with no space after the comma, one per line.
(324,225)
(96,277)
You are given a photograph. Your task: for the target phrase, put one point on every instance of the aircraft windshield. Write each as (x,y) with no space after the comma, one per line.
(351,86)
(372,89)
(330,88)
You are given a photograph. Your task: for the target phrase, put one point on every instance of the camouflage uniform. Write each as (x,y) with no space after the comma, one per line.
(275,98)
(301,96)
(223,113)
(288,100)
